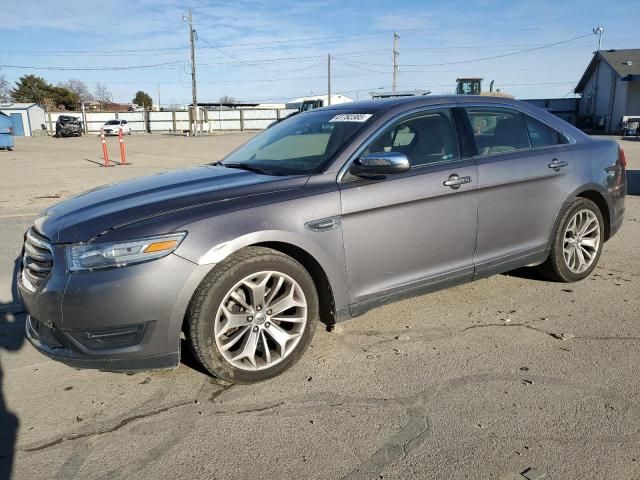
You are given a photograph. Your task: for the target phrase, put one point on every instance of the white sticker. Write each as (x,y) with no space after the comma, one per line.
(351,117)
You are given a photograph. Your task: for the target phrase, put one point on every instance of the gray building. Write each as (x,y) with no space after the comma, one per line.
(610,89)
(566,108)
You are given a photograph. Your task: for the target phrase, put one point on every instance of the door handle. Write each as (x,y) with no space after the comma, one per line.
(455,181)
(557,164)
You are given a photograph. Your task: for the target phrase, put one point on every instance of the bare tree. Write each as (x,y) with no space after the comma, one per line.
(227,99)
(79,88)
(102,94)
(5,89)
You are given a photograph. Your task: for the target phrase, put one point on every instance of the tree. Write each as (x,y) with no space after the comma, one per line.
(143,99)
(5,89)
(33,89)
(227,99)
(102,94)
(79,88)
(65,98)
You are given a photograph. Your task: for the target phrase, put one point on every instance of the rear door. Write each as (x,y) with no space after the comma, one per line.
(523,166)
(411,231)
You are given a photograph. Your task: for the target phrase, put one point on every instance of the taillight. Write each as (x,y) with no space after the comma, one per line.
(622,160)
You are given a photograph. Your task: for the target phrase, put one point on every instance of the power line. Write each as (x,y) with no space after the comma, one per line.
(235,58)
(473,60)
(295,42)
(84,68)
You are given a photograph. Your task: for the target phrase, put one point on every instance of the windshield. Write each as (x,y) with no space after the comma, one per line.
(302,144)
(113,122)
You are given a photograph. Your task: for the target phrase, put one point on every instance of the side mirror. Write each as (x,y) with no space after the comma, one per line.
(380,164)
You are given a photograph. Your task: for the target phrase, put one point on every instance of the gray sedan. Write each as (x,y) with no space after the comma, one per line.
(320,218)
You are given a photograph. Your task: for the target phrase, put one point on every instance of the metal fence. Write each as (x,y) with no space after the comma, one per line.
(177,121)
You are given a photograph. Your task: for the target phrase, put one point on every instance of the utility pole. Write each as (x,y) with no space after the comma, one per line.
(599,31)
(396,67)
(192,34)
(328,79)
(159,97)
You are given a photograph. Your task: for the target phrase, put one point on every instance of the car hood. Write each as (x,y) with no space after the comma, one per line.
(87,216)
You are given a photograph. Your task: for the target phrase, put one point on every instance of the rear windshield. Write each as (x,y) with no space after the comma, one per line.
(302,144)
(113,122)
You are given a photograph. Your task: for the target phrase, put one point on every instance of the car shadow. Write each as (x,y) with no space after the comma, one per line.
(527,273)
(189,360)
(12,324)
(633,182)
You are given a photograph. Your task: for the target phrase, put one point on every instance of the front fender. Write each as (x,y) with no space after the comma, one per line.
(211,240)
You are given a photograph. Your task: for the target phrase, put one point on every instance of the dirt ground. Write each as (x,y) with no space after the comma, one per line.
(508,378)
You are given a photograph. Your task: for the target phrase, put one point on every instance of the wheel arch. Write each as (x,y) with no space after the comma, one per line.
(311,256)
(597,195)
(601,202)
(317,272)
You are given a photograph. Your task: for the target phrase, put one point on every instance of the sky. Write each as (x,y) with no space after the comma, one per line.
(274,51)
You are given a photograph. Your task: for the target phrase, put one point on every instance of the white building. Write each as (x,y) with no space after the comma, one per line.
(28,118)
(610,89)
(336,98)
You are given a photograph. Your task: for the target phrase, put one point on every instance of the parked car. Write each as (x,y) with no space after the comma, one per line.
(323,217)
(69,126)
(113,127)
(631,127)
(6,132)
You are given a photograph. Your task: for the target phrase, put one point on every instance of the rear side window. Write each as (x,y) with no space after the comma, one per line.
(424,138)
(542,135)
(498,130)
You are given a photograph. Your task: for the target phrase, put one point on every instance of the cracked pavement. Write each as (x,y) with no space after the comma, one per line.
(484,380)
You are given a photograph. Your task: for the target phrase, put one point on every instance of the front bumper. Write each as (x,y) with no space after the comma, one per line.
(119,319)
(50,341)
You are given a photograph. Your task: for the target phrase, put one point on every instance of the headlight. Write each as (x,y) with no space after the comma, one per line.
(93,256)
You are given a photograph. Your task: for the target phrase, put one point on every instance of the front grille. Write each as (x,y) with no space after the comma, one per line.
(37,260)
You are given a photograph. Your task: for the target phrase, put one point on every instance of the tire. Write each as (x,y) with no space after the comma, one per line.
(557,267)
(208,321)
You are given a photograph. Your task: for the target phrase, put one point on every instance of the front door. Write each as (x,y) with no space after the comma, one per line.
(412,231)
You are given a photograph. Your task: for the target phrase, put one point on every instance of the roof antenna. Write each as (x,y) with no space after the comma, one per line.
(598,31)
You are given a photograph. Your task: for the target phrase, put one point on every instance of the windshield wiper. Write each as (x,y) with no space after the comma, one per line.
(248,167)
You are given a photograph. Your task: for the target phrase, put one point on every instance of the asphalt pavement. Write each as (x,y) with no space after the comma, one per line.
(510,377)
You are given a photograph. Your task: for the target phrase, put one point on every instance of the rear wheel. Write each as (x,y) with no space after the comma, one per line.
(253,316)
(577,243)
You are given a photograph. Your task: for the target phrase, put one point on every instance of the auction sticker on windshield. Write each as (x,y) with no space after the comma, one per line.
(351,117)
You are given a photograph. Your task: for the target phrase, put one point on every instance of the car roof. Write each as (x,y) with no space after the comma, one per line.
(386,103)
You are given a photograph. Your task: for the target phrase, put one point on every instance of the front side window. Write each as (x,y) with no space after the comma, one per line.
(498,130)
(425,138)
(302,144)
(542,135)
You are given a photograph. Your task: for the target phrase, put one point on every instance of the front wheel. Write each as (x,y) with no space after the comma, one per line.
(253,316)
(577,243)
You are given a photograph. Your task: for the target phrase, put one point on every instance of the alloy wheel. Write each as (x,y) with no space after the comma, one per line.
(581,241)
(260,320)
